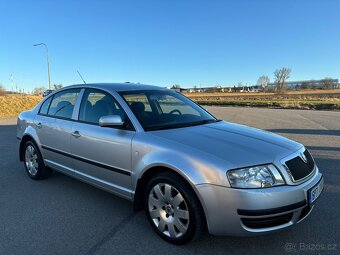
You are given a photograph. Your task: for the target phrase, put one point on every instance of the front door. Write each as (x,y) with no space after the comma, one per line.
(102,155)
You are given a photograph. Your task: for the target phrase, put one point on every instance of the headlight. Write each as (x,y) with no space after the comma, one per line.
(255,177)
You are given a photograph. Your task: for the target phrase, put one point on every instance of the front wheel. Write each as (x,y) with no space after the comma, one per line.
(173,209)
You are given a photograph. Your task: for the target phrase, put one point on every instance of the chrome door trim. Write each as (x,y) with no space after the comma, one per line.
(104,166)
(115,189)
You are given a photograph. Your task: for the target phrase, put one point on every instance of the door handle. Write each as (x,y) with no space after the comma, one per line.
(76,134)
(39,125)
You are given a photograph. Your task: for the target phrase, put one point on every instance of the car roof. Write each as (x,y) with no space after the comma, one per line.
(118,86)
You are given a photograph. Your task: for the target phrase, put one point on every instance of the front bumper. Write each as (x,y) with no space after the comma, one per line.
(244,212)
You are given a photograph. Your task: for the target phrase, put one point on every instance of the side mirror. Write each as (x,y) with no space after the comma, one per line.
(111,121)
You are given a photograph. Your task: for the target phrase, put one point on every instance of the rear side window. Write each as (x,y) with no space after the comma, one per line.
(97,103)
(63,103)
(44,107)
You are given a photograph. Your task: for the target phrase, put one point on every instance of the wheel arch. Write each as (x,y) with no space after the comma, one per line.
(23,141)
(138,201)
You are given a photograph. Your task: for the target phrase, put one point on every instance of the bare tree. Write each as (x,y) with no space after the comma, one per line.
(263,82)
(281,76)
(176,86)
(38,90)
(304,85)
(57,86)
(312,84)
(327,83)
(2,90)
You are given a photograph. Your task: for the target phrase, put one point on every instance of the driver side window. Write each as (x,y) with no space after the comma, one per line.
(96,104)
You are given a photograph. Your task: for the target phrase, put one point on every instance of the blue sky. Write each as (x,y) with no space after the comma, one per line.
(168,42)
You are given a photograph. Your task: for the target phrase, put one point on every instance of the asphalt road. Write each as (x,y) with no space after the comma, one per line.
(61,215)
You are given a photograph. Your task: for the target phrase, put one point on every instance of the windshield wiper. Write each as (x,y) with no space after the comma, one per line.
(180,125)
(169,127)
(210,121)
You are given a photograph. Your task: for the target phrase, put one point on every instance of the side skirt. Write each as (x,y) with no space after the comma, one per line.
(89,179)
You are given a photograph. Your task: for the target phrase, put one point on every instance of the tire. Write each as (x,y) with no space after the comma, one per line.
(34,163)
(173,209)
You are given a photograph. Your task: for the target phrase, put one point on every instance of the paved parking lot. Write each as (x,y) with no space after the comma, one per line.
(61,215)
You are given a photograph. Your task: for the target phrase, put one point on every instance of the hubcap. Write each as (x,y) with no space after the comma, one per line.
(168,210)
(31,158)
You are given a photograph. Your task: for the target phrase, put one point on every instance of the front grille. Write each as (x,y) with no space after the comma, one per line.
(300,169)
(267,222)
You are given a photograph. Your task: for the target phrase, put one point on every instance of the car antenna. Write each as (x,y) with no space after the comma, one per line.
(81,77)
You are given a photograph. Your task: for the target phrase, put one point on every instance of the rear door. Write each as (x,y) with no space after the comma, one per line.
(54,125)
(102,155)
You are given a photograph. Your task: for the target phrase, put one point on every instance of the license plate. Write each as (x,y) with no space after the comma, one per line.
(315,192)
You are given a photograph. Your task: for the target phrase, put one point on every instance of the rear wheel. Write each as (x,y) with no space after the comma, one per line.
(173,209)
(34,163)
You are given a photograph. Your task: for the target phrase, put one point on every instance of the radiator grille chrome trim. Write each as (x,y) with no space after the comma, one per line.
(295,155)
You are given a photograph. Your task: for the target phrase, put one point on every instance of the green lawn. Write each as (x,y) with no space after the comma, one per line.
(288,104)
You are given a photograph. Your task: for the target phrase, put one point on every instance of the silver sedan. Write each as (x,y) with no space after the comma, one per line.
(188,170)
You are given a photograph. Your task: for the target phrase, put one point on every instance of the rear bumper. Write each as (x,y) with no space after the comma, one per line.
(244,212)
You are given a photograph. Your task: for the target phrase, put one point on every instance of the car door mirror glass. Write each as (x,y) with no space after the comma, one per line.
(111,121)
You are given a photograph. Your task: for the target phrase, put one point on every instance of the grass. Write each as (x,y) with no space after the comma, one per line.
(12,105)
(305,104)
(305,99)
(307,92)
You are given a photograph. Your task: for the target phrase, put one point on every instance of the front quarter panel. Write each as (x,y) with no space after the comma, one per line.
(195,166)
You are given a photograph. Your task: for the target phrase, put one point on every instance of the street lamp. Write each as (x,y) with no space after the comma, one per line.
(48,63)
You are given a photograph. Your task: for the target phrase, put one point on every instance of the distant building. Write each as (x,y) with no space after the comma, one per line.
(176,89)
(290,85)
(194,90)
(317,84)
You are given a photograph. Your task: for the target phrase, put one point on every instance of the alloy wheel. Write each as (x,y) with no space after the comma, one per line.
(168,210)
(31,160)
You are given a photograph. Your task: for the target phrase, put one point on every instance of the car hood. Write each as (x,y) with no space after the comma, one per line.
(239,145)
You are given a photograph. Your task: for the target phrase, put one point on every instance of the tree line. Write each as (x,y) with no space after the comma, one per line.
(40,90)
(36,91)
(2,90)
(283,74)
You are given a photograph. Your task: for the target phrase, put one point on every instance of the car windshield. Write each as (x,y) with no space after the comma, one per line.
(165,109)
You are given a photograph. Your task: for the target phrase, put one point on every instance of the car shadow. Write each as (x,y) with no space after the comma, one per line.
(306,131)
(315,229)
(323,148)
(104,223)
